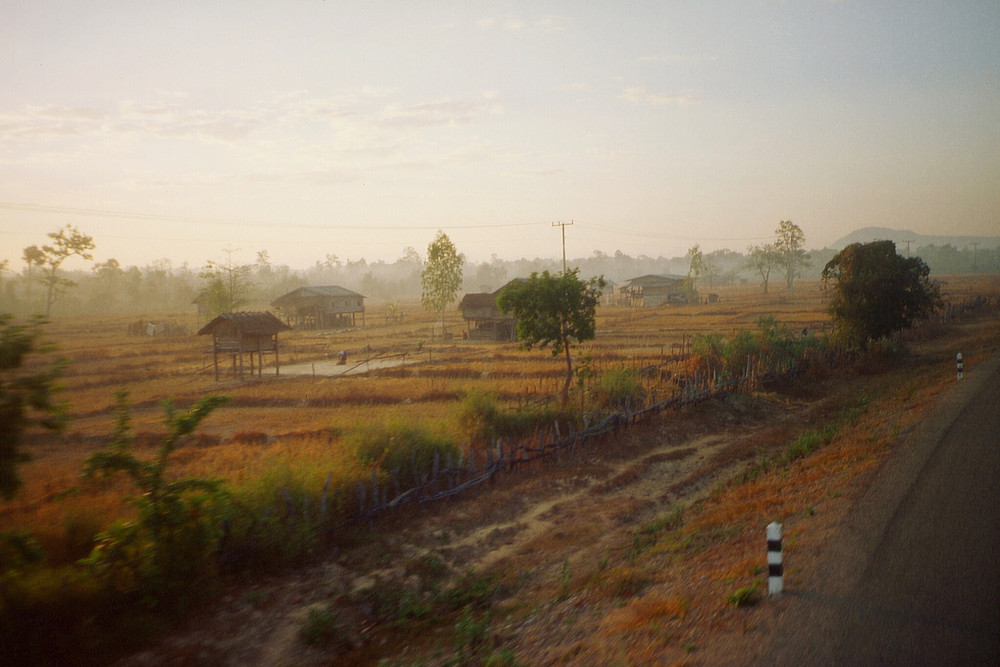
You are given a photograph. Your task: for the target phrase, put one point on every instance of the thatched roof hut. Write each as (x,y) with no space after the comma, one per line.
(483,317)
(238,334)
(656,290)
(321,307)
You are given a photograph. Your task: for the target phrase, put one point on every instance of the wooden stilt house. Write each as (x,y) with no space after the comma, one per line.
(483,318)
(321,307)
(244,334)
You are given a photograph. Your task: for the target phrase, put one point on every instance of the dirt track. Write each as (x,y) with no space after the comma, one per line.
(532,521)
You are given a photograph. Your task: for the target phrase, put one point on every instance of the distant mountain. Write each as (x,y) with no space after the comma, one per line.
(902,236)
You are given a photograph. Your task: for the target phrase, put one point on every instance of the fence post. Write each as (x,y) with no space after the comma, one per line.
(775,567)
(959,359)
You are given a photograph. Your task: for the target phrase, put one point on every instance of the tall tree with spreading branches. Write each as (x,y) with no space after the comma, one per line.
(877,292)
(228,285)
(762,260)
(790,247)
(553,309)
(66,243)
(442,275)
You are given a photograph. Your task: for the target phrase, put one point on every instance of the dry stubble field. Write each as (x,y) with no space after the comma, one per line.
(589,557)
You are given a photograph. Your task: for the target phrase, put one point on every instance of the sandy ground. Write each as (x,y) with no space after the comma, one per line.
(331,368)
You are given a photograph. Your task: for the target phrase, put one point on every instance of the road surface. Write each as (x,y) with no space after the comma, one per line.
(915,578)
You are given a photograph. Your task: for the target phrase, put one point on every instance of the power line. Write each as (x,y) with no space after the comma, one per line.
(671,237)
(69,210)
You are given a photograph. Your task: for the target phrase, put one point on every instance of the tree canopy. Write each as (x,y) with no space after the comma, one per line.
(553,309)
(790,247)
(442,275)
(67,242)
(228,285)
(762,259)
(877,292)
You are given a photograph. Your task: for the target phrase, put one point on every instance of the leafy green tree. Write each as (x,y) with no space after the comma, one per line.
(442,275)
(877,292)
(789,246)
(762,260)
(27,397)
(66,243)
(557,309)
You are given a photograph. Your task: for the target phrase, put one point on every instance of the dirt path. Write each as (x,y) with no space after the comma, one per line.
(533,522)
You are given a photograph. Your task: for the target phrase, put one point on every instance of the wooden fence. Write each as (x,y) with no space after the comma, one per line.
(449,477)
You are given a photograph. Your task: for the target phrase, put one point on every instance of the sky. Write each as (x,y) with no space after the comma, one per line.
(197,131)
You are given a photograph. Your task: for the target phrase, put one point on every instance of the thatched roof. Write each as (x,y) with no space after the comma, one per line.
(257,324)
(313,292)
(478,300)
(655,279)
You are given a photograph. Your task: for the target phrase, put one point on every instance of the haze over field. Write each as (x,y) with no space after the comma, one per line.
(176,129)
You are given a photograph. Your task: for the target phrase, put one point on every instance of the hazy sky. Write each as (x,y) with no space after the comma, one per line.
(179,129)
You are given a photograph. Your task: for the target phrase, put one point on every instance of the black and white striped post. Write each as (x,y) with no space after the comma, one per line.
(775,569)
(959,365)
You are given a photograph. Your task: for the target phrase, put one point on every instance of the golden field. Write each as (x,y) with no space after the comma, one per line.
(289,429)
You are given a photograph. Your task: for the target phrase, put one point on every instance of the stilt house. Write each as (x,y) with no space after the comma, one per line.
(244,334)
(483,317)
(655,290)
(321,307)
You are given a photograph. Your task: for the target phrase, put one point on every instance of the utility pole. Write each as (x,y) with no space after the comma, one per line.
(907,242)
(563,225)
(975,251)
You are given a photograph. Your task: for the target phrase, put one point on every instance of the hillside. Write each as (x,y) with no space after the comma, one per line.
(902,236)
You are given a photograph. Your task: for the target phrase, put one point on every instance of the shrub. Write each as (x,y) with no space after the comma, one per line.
(482,419)
(771,343)
(167,554)
(405,450)
(619,388)
(477,416)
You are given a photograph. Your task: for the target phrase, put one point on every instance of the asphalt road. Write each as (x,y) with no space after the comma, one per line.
(915,579)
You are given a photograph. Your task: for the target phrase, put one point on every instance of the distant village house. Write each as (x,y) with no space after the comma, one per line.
(656,290)
(321,307)
(483,318)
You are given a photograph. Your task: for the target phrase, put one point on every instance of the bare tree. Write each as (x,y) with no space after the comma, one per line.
(229,285)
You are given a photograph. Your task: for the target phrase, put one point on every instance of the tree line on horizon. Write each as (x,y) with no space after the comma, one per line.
(111,287)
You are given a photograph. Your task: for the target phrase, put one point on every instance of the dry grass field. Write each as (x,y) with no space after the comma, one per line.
(580,557)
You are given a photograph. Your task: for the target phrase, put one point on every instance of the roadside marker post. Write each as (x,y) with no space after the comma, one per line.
(775,567)
(959,358)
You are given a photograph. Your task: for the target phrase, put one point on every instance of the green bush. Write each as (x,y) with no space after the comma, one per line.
(771,343)
(167,555)
(478,414)
(402,449)
(482,419)
(619,388)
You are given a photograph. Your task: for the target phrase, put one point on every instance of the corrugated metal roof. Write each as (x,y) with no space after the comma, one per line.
(252,323)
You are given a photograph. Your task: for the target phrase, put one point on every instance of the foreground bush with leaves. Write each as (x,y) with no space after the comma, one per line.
(167,554)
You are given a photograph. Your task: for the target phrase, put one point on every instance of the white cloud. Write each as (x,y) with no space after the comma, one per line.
(641,95)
